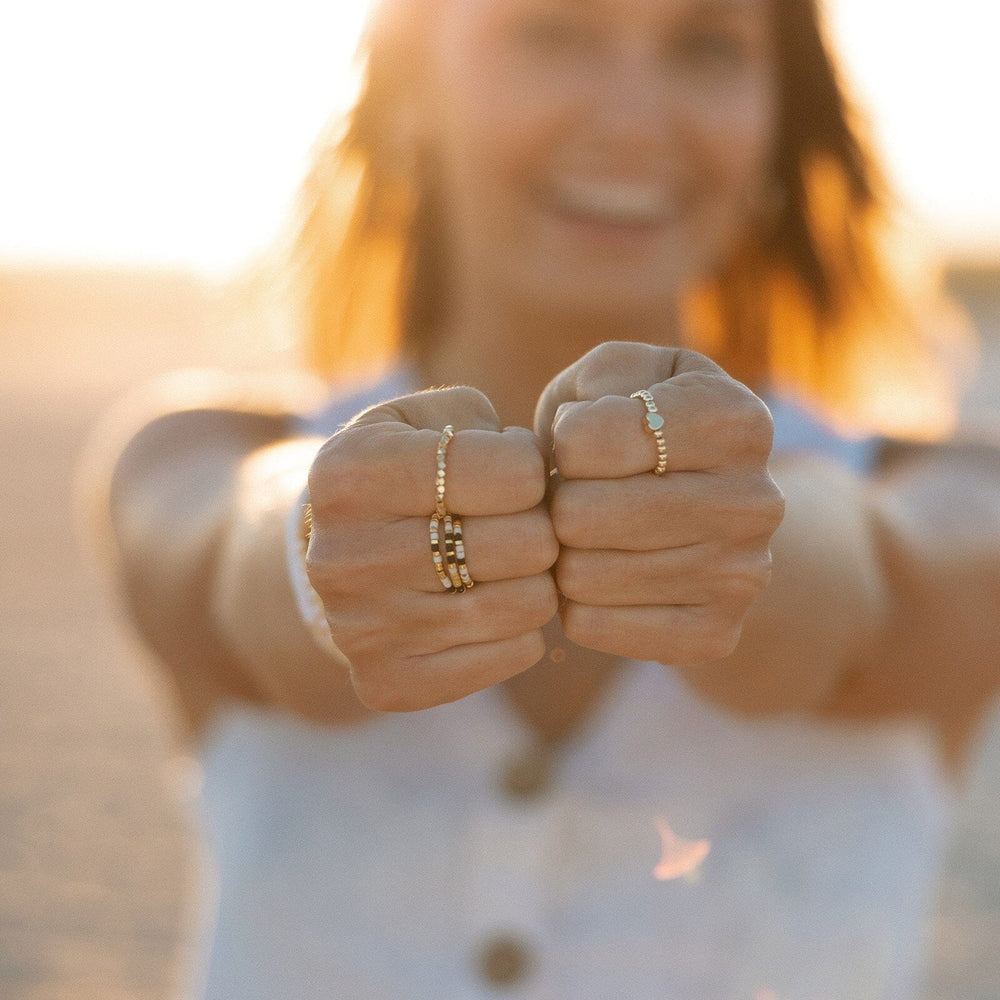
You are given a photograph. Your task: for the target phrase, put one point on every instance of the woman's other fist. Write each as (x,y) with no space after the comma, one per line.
(658,567)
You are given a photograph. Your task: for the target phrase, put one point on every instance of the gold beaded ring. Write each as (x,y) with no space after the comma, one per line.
(442,460)
(654,423)
(447,544)
(436,554)
(450,563)
(463,570)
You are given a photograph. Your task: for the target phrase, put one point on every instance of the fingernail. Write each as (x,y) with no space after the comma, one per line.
(560,410)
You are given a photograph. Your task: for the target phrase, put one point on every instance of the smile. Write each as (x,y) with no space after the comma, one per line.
(614,202)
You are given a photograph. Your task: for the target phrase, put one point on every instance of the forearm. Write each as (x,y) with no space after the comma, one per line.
(885,595)
(156,491)
(162,493)
(939,655)
(826,604)
(253,604)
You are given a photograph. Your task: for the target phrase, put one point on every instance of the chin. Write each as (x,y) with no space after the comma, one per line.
(597,294)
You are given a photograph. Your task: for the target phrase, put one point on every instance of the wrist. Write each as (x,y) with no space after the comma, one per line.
(298,528)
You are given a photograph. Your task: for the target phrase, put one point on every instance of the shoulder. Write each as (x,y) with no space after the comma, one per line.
(802,428)
(973,446)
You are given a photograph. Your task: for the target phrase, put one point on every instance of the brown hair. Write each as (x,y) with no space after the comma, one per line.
(809,303)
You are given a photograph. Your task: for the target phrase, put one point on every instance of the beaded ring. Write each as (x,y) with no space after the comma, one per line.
(463,570)
(654,423)
(442,461)
(435,532)
(447,542)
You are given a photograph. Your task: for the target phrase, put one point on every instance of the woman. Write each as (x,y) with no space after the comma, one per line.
(551,202)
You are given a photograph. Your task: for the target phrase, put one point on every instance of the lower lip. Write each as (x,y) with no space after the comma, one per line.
(604,234)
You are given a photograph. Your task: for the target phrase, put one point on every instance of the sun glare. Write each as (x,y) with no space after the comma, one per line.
(679,858)
(176,133)
(928,76)
(153,133)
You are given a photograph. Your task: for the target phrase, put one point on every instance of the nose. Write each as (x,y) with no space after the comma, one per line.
(632,106)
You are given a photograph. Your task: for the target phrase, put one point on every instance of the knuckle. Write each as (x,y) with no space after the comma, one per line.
(752,420)
(388,689)
(765,507)
(762,422)
(739,583)
(599,359)
(541,547)
(527,651)
(572,520)
(773,504)
(737,417)
(336,567)
(749,506)
(333,468)
(475,405)
(580,624)
(463,406)
(526,470)
(547,546)
(571,434)
(572,574)
(374,691)
(355,643)
(541,599)
(716,639)
(695,363)
(323,576)
(585,430)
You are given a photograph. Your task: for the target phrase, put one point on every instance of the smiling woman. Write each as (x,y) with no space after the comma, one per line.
(685,132)
(532,212)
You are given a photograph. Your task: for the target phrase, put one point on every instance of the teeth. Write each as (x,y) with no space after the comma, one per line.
(615,200)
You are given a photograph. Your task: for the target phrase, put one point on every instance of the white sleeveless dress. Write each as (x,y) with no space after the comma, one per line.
(398,860)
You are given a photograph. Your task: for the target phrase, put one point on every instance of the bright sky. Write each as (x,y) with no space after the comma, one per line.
(148,133)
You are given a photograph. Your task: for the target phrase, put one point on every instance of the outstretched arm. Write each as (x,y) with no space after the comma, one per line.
(186,490)
(938,511)
(885,593)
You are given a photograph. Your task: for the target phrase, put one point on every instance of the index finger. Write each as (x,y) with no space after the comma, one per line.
(616,368)
(389,469)
(709,422)
(705,419)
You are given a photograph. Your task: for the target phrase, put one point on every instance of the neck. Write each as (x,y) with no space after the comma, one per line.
(511,353)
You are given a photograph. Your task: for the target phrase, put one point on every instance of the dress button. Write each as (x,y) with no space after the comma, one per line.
(527,776)
(505,960)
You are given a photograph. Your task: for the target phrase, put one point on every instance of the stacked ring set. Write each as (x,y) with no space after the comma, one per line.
(447,544)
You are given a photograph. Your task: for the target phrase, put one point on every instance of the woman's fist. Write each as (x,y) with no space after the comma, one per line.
(410,643)
(658,567)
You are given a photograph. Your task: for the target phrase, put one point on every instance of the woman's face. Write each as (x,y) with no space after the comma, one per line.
(597,154)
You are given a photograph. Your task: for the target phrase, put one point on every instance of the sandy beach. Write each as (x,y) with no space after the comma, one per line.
(97,858)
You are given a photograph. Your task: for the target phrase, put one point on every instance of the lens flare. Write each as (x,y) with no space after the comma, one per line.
(680,858)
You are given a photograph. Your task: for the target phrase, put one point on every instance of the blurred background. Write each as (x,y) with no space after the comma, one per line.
(149,154)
